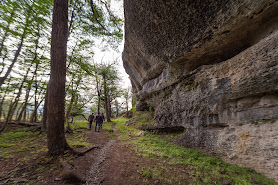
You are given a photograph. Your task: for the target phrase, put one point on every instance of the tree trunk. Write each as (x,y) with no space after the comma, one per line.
(106,100)
(19,110)
(1,106)
(19,117)
(29,89)
(3,98)
(20,89)
(117,108)
(126,105)
(44,114)
(109,105)
(3,64)
(2,79)
(7,30)
(69,109)
(56,140)
(25,115)
(98,95)
(9,116)
(34,114)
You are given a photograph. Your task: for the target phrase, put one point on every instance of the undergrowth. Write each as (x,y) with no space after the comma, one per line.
(13,143)
(203,169)
(143,118)
(28,148)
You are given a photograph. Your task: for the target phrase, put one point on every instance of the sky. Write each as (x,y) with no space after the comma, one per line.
(111,55)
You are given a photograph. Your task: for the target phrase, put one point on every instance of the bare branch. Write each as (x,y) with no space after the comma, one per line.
(96,15)
(108,10)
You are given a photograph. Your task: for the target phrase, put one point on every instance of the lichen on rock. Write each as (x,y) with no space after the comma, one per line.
(210,67)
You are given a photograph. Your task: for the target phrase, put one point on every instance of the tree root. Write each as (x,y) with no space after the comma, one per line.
(78,154)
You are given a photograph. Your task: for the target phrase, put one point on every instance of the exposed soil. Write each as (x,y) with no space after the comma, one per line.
(111,163)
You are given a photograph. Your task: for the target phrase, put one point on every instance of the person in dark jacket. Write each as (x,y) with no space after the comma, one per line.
(99,120)
(91,120)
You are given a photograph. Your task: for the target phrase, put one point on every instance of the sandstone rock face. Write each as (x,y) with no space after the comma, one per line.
(210,67)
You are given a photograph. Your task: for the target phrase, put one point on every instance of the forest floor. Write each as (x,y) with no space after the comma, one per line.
(120,155)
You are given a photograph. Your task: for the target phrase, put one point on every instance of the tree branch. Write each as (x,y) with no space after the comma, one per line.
(96,15)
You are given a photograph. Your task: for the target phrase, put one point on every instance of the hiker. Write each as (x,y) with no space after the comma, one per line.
(103,119)
(99,121)
(91,119)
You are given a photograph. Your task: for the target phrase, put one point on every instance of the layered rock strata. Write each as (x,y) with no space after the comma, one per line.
(210,67)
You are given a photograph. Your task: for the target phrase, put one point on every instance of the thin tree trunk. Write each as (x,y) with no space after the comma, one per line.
(25,115)
(117,108)
(7,30)
(34,75)
(72,100)
(44,114)
(98,102)
(106,100)
(56,140)
(98,95)
(126,105)
(3,98)
(3,64)
(19,117)
(1,106)
(35,112)
(9,116)
(20,89)
(69,109)
(2,79)
(109,105)
(19,110)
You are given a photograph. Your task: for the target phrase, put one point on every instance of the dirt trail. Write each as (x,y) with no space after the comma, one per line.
(114,163)
(111,162)
(96,174)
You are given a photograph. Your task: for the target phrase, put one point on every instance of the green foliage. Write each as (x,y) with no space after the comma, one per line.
(77,140)
(29,21)
(204,169)
(11,138)
(146,173)
(79,124)
(18,141)
(143,118)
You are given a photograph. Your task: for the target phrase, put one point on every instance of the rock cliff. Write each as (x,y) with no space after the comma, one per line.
(210,67)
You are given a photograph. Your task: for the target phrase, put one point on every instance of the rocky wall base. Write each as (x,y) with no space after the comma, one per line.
(251,145)
(229,109)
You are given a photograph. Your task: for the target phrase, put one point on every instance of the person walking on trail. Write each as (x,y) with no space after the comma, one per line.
(103,119)
(99,121)
(91,120)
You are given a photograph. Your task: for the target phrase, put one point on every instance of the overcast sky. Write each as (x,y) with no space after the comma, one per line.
(110,55)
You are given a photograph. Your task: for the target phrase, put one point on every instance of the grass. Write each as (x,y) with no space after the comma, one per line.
(146,173)
(204,169)
(28,148)
(19,141)
(79,124)
(143,118)
(78,139)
